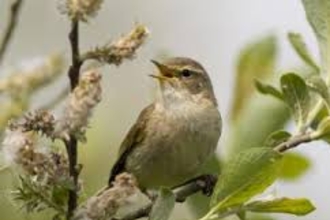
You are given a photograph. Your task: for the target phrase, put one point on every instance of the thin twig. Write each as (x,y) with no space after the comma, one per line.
(294,142)
(74,70)
(71,147)
(12,22)
(71,144)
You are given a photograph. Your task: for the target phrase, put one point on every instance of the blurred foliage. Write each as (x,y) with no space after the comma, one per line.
(19,88)
(259,59)
(294,166)
(256,60)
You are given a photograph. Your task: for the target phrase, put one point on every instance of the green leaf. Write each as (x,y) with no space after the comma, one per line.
(297,96)
(320,124)
(163,206)
(294,166)
(318,85)
(245,175)
(276,138)
(299,207)
(318,15)
(323,130)
(257,60)
(267,89)
(323,113)
(300,47)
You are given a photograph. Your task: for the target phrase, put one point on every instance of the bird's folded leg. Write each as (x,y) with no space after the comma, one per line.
(207,183)
(204,183)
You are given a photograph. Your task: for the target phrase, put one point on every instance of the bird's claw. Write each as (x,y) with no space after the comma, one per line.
(207,183)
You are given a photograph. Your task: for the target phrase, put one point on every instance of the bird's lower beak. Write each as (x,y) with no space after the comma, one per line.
(165,71)
(159,77)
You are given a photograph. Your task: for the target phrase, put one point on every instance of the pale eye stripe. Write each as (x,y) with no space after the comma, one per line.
(192,69)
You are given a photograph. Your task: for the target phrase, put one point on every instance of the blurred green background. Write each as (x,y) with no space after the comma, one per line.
(213,32)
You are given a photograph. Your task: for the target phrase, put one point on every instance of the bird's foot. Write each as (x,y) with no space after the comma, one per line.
(207,183)
(204,183)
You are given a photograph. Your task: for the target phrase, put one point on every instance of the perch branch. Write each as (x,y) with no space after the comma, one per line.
(12,22)
(181,194)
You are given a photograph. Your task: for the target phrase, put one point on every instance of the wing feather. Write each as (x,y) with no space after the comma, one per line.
(134,137)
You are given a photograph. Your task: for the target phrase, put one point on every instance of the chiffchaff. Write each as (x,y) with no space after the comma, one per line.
(174,136)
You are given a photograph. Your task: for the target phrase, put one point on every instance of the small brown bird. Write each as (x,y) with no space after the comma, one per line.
(174,136)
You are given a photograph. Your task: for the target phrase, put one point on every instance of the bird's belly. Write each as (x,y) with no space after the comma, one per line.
(173,159)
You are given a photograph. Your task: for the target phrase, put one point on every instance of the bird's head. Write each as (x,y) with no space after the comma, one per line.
(184,78)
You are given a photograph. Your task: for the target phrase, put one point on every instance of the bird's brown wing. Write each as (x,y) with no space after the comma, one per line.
(132,139)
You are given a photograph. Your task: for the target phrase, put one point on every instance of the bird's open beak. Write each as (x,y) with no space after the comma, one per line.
(165,72)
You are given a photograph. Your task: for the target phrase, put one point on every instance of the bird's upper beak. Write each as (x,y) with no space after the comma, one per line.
(165,71)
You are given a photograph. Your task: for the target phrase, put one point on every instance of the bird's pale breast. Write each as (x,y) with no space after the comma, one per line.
(176,145)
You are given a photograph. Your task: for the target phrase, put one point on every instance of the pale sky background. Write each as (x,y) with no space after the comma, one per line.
(211,31)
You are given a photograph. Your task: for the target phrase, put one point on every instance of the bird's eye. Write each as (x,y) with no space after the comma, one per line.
(186,73)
